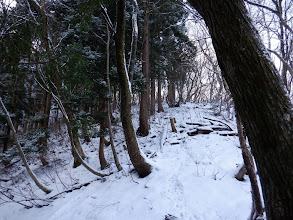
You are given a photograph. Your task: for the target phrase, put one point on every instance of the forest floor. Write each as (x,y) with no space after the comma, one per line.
(192,177)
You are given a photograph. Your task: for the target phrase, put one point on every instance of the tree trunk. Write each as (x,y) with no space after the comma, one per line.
(181,86)
(102,158)
(103,126)
(41,10)
(171,83)
(171,93)
(143,129)
(45,125)
(6,139)
(107,77)
(136,158)
(160,106)
(248,161)
(259,98)
(132,58)
(153,96)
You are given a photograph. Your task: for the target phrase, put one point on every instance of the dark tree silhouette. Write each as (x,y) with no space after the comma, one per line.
(259,98)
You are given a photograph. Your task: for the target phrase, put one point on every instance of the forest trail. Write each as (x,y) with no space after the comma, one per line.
(192,178)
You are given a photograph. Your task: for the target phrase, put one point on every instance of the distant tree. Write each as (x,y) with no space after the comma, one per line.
(259,97)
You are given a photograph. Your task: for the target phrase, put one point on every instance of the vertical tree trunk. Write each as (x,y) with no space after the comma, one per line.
(103,126)
(132,58)
(102,158)
(41,9)
(143,129)
(171,93)
(6,140)
(136,158)
(181,86)
(117,163)
(153,96)
(45,125)
(114,105)
(259,98)
(171,83)
(160,106)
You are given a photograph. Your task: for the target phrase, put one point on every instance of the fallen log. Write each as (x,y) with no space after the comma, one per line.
(228,134)
(219,128)
(230,129)
(204,130)
(174,143)
(197,123)
(192,133)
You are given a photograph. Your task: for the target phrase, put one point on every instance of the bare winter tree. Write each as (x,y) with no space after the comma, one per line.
(273,20)
(259,98)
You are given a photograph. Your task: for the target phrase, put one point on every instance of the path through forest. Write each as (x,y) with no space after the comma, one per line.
(192,178)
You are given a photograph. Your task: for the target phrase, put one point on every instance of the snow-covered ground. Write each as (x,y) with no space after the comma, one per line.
(192,177)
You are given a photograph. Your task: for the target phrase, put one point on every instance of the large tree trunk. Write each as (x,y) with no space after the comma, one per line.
(47,101)
(259,98)
(136,158)
(160,106)
(143,129)
(171,83)
(171,93)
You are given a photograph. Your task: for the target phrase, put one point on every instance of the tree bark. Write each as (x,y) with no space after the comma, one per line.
(117,163)
(136,158)
(132,58)
(153,96)
(6,140)
(160,106)
(171,83)
(143,129)
(102,158)
(259,98)
(171,93)
(103,126)
(248,161)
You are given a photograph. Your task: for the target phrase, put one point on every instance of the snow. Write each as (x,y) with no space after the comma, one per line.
(192,180)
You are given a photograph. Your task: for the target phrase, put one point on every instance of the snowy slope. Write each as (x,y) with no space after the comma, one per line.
(192,177)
